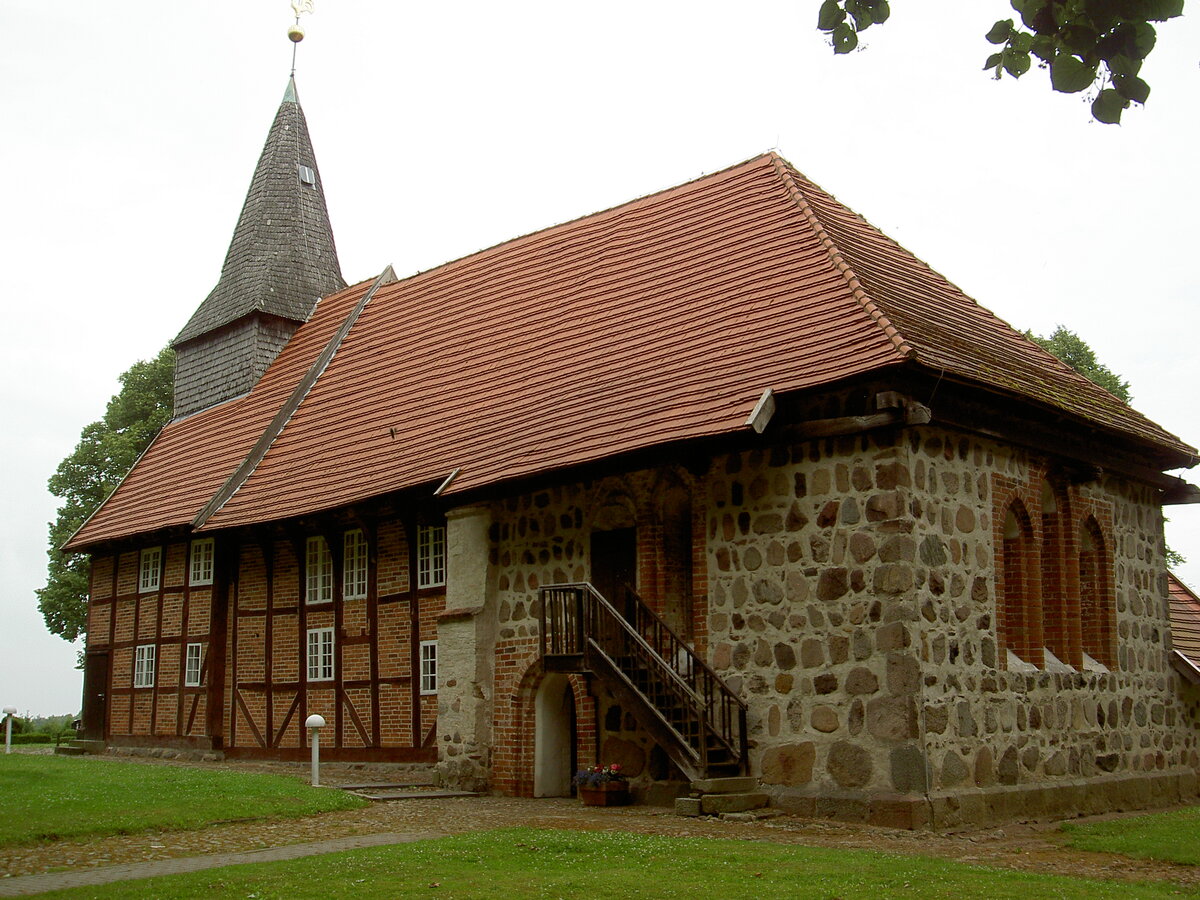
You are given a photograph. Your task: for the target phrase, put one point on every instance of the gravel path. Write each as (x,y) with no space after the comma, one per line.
(1036,848)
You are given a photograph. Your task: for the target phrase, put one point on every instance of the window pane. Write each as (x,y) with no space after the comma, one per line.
(354,565)
(318,571)
(431,556)
(429,667)
(202,562)
(192,668)
(149,574)
(320,654)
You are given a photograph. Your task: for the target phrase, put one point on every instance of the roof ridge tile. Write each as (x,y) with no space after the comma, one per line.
(906,350)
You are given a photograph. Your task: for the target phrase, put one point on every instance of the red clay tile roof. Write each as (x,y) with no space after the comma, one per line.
(190,459)
(1185,619)
(657,321)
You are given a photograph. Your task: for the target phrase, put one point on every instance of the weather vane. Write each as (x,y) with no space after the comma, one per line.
(296,33)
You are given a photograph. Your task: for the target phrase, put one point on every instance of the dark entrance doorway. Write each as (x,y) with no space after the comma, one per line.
(614,564)
(95,696)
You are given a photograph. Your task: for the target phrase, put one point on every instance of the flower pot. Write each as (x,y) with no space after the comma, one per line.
(607,793)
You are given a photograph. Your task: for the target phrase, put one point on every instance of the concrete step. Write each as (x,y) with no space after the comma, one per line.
(68,750)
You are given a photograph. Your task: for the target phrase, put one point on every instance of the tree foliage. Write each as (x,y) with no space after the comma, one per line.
(1096,45)
(106,451)
(1075,352)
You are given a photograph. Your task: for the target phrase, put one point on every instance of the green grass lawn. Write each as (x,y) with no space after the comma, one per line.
(522,862)
(44,798)
(1173,835)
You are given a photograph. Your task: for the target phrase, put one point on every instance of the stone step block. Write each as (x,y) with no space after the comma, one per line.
(715,804)
(731,785)
(687,806)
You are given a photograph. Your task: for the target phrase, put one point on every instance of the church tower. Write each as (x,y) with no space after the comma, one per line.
(281,261)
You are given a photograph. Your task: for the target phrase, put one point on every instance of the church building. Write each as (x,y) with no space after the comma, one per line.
(720,482)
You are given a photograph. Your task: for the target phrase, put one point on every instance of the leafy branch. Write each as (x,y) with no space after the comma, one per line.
(1086,44)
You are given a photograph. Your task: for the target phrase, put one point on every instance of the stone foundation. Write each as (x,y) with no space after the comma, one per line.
(998,804)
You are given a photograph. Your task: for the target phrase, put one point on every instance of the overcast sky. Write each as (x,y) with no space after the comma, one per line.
(130,131)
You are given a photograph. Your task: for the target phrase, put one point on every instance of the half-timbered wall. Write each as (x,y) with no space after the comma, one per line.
(371,698)
(122,618)
(369,691)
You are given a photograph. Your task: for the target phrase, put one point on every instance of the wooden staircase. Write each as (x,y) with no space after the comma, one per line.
(671,692)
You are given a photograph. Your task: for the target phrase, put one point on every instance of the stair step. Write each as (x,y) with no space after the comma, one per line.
(735,785)
(722,804)
(78,747)
(419,794)
(715,804)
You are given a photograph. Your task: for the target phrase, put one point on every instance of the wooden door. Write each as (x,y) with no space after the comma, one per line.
(614,564)
(95,696)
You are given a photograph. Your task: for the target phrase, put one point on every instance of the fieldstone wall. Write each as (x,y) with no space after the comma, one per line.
(813,619)
(1009,744)
(853,606)
(848,590)
(540,539)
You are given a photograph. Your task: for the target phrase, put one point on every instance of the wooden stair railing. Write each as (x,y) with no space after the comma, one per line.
(673,693)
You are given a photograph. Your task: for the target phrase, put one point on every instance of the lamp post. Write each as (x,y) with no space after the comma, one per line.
(9,712)
(314,724)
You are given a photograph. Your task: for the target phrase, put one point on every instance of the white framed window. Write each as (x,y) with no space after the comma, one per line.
(320,654)
(191,666)
(318,571)
(431,556)
(151,569)
(428,667)
(354,565)
(143,666)
(202,562)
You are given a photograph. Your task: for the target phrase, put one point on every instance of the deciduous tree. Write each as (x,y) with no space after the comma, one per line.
(106,451)
(1075,352)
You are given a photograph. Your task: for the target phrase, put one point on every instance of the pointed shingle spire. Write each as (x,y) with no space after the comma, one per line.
(281,260)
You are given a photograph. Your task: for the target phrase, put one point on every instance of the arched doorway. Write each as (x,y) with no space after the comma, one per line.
(553,737)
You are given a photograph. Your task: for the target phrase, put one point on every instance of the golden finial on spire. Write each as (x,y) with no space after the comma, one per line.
(295,32)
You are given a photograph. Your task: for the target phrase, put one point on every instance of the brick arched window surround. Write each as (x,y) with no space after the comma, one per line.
(514,732)
(1097,615)
(1018,607)
(1060,577)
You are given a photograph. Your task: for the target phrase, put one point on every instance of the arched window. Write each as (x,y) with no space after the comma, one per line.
(1099,633)
(1019,612)
(1060,596)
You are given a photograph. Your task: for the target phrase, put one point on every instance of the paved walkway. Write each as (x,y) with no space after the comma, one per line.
(53,881)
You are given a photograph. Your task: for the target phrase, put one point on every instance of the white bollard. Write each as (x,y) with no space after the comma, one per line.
(9,712)
(314,724)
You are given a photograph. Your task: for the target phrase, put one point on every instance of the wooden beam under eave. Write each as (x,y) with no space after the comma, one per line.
(911,413)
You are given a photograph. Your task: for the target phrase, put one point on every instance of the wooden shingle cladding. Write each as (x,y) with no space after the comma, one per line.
(282,257)
(653,323)
(281,260)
